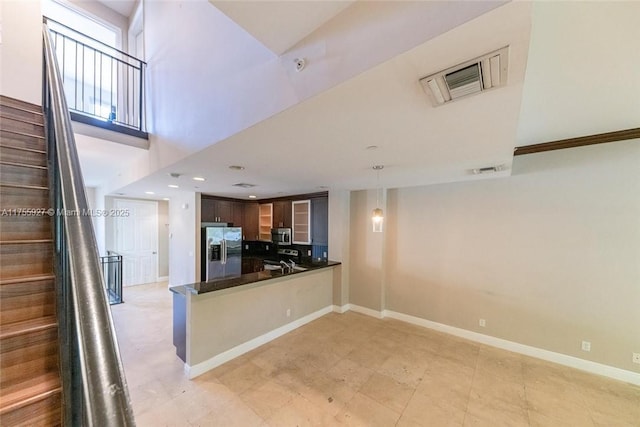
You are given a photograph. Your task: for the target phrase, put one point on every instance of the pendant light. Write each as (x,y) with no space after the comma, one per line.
(377,217)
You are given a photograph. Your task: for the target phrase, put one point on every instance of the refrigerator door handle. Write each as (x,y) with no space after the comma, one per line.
(207,260)
(223,244)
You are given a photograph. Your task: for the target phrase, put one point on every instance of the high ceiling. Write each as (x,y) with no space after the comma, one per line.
(325,141)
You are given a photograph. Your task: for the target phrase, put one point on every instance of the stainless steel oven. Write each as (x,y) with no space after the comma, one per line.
(281,236)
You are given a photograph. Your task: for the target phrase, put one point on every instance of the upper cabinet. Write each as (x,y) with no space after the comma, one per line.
(301,212)
(265,221)
(220,210)
(306,215)
(320,221)
(282,214)
(250,229)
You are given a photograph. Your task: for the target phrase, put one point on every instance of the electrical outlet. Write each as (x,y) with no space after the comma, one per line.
(482,323)
(586,346)
(324,254)
(636,358)
(309,252)
(288,312)
(246,247)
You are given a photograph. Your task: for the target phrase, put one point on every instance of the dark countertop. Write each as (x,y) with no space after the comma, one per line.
(245,279)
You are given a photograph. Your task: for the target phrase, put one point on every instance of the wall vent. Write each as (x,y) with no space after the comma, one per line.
(486,72)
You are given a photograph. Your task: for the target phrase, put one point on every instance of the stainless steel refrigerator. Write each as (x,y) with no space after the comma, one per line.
(221,252)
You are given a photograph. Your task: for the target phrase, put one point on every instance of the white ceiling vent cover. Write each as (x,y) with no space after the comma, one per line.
(480,74)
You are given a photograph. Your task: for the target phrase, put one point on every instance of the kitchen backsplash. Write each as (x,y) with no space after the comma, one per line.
(308,253)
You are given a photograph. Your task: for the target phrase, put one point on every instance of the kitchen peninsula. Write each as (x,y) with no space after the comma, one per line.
(216,321)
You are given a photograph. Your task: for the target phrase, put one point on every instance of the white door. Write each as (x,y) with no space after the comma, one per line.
(136,239)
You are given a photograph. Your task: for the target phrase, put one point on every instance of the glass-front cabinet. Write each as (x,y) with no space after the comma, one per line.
(301,213)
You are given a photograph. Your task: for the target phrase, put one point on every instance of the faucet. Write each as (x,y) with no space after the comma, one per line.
(293,263)
(286,265)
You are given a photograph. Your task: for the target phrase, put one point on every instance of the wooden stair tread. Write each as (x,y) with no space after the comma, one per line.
(19,119)
(26,279)
(30,391)
(28,326)
(27,187)
(14,102)
(23,165)
(16,132)
(31,150)
(25,242)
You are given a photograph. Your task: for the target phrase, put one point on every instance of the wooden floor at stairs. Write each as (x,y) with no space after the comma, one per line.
(30,388)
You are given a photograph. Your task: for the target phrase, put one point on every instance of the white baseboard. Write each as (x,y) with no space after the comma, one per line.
(163,279)
(559,358)
(239,350)
(341,308)
(367,311)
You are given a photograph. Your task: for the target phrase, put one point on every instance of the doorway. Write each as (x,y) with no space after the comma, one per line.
(136,239)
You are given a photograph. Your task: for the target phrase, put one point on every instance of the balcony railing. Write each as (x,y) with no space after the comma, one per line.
(112,274)
(103,86)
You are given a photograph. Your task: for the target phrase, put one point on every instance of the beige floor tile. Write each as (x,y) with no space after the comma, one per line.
(537,419)
(328,394)
(423,410)
(267,398)
(243,377)
(233,414)
(351,369)
(488,390)
(301,413)
(404,369)
(364,411)
(484,412)
(442,381)
(386,390)
(352,374)
(368,356)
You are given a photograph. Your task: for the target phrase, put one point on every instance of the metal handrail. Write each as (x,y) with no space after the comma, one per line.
(104,85)
(46,20)
(103,386)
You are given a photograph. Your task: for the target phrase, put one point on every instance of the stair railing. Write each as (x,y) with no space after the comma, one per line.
(112,274)
(94,386)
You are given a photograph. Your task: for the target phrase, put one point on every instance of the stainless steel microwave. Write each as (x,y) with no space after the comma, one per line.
(281,236)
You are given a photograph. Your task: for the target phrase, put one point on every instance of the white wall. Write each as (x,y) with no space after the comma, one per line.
(549,257)
(339,225)
(184,229)
(596,42)
(21,50)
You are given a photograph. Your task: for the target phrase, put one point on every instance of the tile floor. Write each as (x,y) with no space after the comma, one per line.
(354,370)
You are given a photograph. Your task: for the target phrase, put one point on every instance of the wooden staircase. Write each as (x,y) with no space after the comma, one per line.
(30,387)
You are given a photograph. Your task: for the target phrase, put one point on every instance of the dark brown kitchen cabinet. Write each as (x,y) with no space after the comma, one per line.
(238,214)
(250,221)
(282,214)
(219,210)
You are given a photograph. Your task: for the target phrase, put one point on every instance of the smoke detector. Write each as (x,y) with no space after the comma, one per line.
(486,72)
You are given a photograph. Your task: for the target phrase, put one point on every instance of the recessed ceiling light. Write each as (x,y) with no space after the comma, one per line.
(165,198)
(173,186)
(149,192)
(236,167)
(252,196)
(198,178)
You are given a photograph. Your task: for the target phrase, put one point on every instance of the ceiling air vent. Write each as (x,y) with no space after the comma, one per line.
(486,72)
(244,185)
